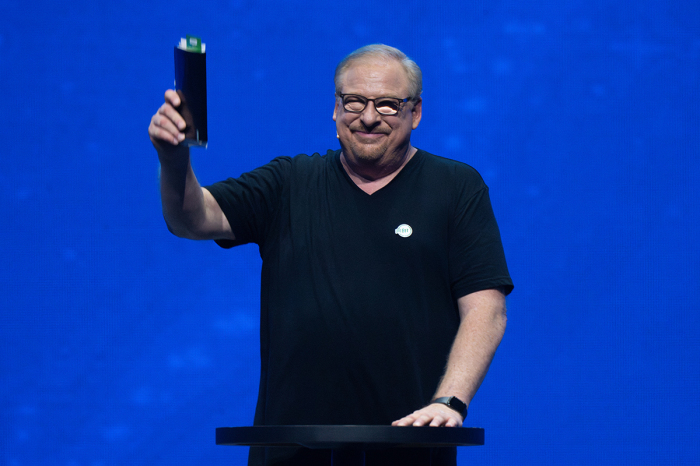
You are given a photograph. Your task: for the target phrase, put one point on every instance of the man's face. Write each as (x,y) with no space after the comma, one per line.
(369,139)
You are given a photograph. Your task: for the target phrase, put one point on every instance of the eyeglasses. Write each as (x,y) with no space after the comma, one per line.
(354,103)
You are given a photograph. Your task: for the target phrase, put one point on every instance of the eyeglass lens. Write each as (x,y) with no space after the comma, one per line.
(384,105)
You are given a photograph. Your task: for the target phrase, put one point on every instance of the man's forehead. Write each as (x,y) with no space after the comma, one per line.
(376,71)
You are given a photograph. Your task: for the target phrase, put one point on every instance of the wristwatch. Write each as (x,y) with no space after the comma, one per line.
(453,402)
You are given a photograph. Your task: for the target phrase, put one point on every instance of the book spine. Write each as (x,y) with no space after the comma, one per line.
(191,86)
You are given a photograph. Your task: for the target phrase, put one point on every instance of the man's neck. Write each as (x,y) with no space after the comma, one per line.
(369,184)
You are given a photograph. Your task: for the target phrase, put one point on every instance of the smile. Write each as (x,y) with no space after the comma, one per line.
(364,135)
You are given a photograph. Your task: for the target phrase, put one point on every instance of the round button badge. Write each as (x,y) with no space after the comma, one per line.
(404,230)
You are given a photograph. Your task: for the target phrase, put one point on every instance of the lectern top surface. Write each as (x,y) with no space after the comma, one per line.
(350,436)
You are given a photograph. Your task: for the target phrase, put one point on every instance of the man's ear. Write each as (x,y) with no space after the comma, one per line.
(417,112)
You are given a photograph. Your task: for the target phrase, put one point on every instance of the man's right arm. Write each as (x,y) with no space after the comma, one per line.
(190,211)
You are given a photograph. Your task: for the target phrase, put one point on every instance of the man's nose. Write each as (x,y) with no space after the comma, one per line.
(370,116)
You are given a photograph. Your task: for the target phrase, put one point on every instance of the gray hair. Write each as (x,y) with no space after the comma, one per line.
(413,72)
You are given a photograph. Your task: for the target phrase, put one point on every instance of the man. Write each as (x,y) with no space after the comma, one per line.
(380,263)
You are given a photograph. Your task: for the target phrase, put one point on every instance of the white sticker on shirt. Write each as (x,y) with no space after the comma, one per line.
(404,230)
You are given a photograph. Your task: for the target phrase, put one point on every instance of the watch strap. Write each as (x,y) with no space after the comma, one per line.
(454,403)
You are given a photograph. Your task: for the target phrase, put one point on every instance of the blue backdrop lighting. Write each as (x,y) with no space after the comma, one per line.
(122,344)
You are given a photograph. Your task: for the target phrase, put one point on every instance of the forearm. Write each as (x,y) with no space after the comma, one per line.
(181,195)
(480,332)
(482,324)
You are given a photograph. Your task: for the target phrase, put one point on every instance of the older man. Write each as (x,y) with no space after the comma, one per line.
(381,263)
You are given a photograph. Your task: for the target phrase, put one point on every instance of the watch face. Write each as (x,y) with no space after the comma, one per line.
(456,404)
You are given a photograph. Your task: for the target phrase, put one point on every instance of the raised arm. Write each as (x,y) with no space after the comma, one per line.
(190,211)
(481,328)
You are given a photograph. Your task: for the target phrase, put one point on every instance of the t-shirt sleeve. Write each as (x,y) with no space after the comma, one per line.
(477,260)
(251,201)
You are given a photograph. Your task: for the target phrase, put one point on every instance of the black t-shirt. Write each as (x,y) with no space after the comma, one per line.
(359,292)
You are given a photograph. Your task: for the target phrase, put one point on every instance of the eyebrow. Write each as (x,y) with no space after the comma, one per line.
(374,98)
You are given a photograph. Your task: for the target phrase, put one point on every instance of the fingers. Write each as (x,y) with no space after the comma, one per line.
(172,97)
(404,421)
(437,421)
(167,124)
(440,421)
(431,416)
(452,422)
(422,420)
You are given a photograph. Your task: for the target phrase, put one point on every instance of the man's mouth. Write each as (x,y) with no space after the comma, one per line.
(370,134)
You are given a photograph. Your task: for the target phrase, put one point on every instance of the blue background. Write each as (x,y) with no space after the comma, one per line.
(122,344)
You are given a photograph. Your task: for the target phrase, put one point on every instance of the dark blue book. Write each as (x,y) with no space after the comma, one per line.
(191,86)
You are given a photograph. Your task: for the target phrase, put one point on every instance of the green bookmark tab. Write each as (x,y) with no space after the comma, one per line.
(193,44)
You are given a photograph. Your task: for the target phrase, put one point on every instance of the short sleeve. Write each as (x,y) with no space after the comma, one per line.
(251,201)
(477,259)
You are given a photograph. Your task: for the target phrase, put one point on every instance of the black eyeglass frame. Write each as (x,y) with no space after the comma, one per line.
(366,100)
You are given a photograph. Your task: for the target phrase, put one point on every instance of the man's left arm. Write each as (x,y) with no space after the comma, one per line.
(482,324)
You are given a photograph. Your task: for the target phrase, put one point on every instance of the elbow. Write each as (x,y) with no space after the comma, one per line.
(175,231)
(501,318)
(180,230)
(501,321)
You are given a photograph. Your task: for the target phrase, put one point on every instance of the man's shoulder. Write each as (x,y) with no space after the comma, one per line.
(449,169)
(284,165)
(305,167)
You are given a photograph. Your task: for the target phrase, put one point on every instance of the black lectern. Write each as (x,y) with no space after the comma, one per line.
(348,443)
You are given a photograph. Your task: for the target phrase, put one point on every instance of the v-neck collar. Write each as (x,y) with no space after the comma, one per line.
(406,168)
